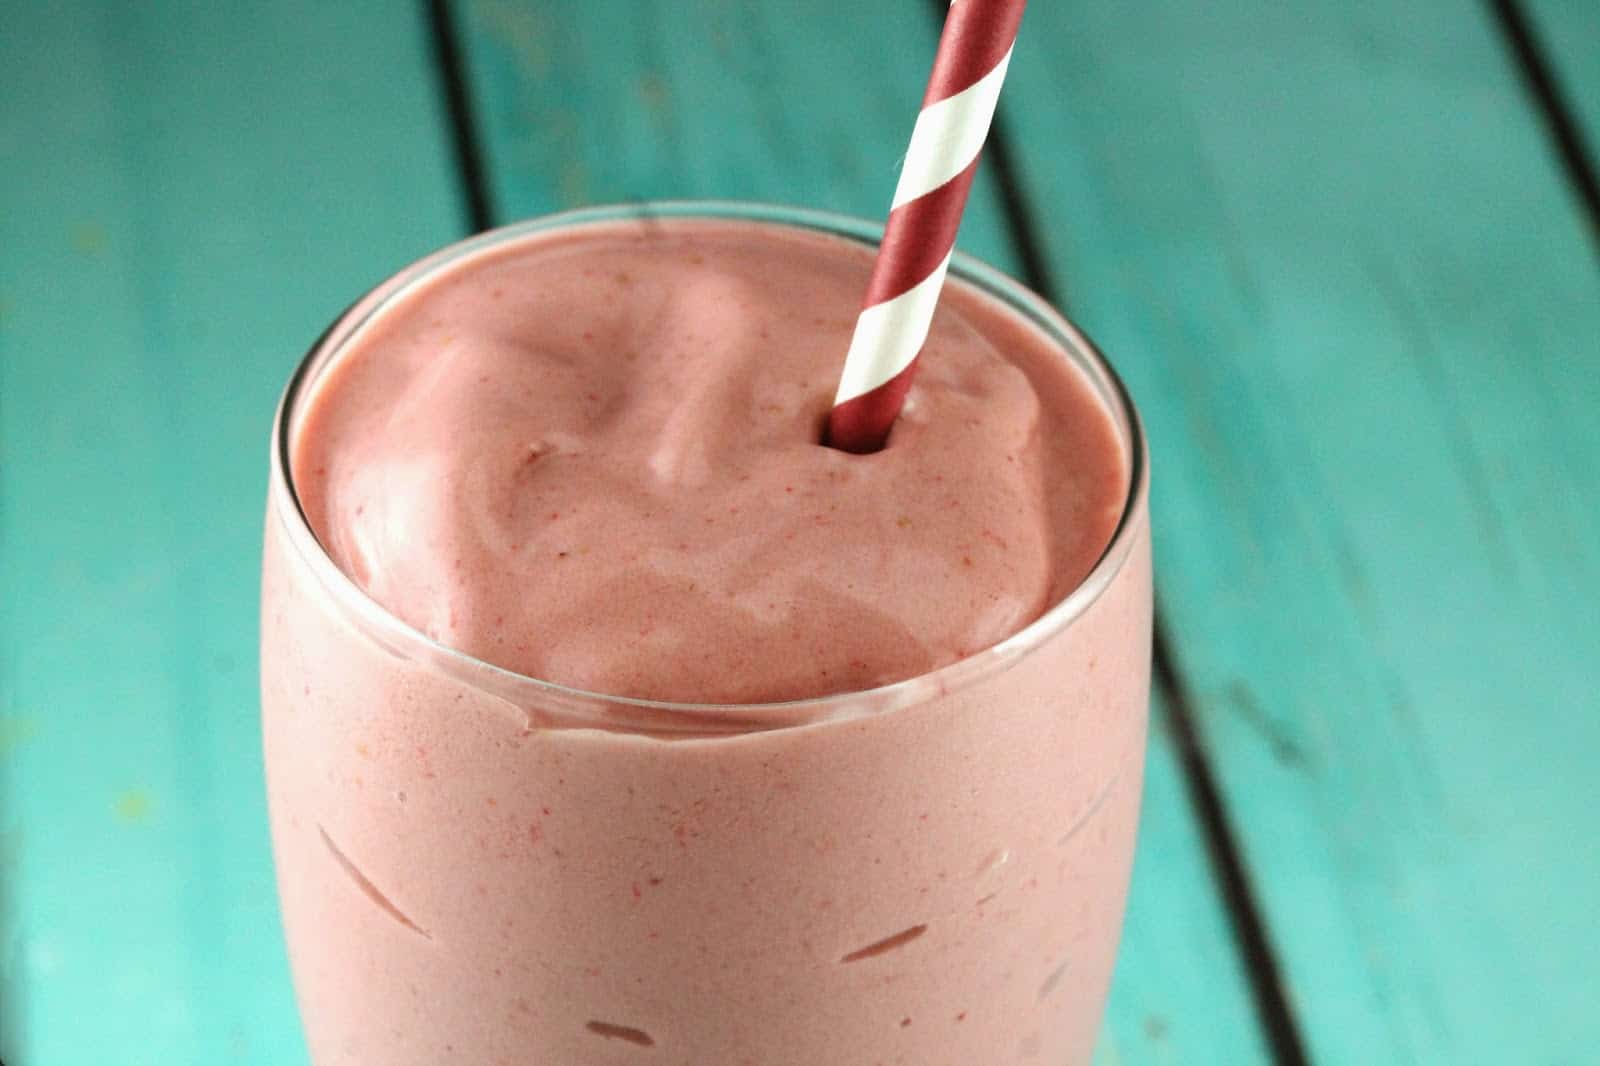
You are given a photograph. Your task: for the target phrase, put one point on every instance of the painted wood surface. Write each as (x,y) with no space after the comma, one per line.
(190,191)
(1329,246)
(622,100)
(1326,243)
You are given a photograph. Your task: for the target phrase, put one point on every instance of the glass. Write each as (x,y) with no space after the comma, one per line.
(484,867)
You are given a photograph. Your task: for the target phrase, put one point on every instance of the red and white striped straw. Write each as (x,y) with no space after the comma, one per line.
(920,234)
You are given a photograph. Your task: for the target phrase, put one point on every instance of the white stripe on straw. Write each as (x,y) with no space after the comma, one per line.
(948,135)
(889,335)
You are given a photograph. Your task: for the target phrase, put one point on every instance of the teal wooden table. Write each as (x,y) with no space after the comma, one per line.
(1347,253)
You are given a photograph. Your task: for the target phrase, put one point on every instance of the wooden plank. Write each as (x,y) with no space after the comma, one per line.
(1329,245)
(620,100)
(1568,32)
(191,192)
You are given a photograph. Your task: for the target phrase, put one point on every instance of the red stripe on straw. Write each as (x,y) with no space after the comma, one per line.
(976,37)
(917,237)
(857,425)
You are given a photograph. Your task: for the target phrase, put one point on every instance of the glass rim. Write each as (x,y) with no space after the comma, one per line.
(532,696)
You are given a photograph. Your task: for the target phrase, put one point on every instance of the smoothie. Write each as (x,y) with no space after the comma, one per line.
(610,718)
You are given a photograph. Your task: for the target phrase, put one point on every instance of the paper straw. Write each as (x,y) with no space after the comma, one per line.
(920,234)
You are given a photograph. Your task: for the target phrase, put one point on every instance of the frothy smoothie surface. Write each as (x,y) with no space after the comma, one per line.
(591,456)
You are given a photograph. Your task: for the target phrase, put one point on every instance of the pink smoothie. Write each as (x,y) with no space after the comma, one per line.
(589,456)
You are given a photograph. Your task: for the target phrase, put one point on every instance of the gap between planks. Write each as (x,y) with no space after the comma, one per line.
(1555,114)
(458,106)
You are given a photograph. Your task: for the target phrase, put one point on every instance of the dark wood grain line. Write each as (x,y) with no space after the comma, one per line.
(1222,848)
(1476,480)
(463,128)
(1566,135)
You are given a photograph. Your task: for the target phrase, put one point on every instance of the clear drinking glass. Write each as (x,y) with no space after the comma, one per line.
(480,867)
